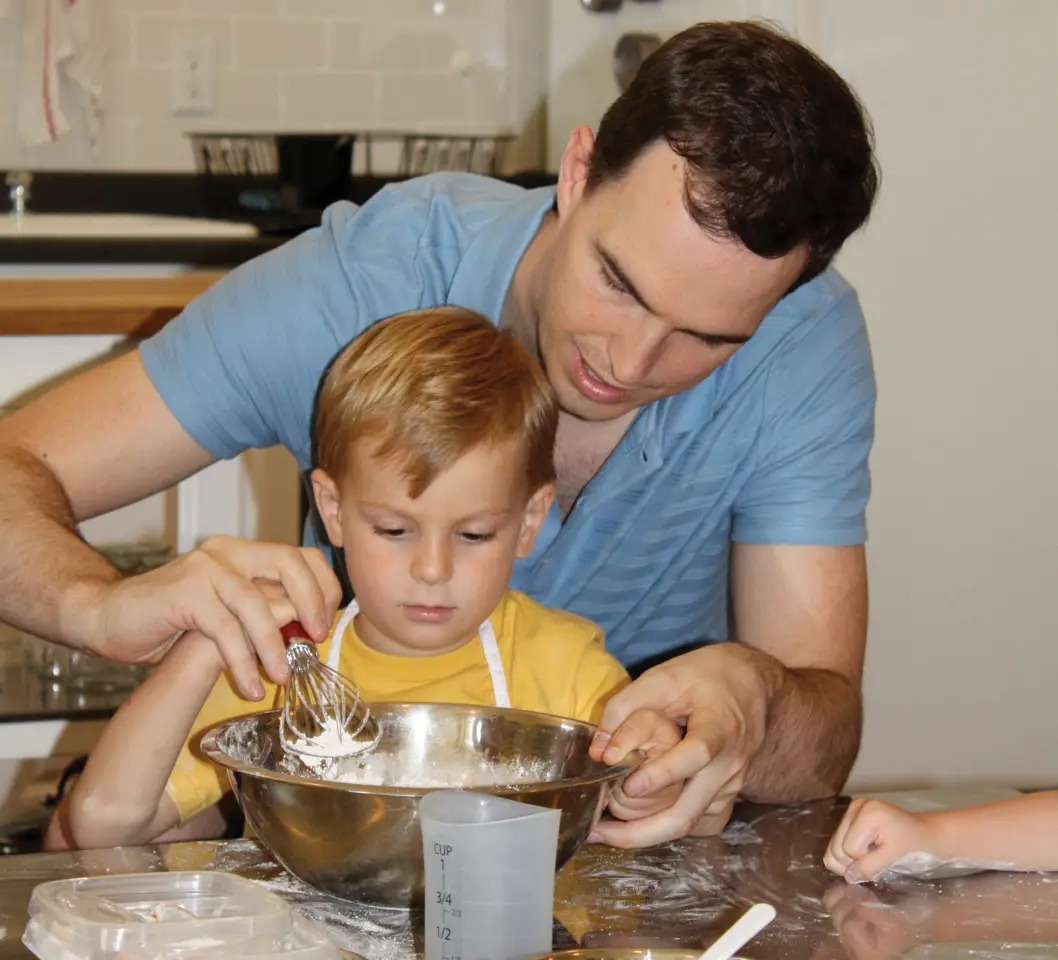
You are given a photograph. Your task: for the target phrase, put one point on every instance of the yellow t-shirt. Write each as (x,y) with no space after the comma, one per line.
(554,662)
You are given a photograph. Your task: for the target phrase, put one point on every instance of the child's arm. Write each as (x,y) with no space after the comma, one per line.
(120,798)
(1016,834)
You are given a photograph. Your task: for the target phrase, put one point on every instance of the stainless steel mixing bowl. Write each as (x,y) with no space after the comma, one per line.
(363,843)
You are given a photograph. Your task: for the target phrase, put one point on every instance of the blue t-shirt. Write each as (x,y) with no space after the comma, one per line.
(770,448)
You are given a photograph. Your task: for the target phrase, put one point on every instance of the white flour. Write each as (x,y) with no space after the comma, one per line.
(372,932)
(928,866)
(383,770)
(329,757)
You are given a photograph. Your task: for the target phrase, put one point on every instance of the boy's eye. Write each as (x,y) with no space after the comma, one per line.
(392,532)
(478,537)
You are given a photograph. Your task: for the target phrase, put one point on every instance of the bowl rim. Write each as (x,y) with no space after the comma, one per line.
(210,748)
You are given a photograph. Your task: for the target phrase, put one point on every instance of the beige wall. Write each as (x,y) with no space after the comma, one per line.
(301,65)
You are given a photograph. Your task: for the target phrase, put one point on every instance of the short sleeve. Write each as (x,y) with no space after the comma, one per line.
(811,483)
(240,366)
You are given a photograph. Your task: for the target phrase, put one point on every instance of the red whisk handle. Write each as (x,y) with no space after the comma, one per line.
(294,631)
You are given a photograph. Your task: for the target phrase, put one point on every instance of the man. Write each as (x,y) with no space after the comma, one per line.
(717,398)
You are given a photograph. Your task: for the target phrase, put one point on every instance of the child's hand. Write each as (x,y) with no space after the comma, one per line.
(651,733)
(872,836)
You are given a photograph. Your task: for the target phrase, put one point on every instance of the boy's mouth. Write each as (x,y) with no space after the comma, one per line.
(421,613)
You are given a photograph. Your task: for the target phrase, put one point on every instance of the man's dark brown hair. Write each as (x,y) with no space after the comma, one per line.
(779,149)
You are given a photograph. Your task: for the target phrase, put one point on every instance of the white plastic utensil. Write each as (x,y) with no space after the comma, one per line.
(744,929)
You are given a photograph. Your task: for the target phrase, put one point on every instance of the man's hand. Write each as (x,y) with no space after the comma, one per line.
(236,592)
(720,698)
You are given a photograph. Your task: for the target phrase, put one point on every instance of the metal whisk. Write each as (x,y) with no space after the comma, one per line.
(323,714)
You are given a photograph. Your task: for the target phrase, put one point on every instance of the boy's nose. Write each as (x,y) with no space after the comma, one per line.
(433,562)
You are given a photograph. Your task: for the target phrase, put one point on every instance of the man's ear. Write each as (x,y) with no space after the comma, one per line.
(325,491)
(573,169)
(536,511)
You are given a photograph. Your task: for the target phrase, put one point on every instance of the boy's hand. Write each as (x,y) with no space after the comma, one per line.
(652,734)
(872,836)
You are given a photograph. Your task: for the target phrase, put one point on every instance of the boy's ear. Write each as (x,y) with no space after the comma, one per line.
(325,491)
(533,519)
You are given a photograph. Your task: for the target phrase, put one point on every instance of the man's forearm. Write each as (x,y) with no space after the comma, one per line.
(47,572)
(815,718)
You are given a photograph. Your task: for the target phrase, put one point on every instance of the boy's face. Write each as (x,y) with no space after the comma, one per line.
(428,571)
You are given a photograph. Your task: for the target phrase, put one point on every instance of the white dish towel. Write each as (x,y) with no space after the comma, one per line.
(60,38)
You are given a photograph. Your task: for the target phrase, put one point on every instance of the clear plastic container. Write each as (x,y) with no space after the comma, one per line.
(190,915)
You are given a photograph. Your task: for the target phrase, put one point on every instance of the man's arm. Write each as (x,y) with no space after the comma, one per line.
(805,610)
(98,442)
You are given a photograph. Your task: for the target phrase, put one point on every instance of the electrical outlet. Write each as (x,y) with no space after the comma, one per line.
(193,75)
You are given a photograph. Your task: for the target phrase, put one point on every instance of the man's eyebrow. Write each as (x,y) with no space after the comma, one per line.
(621,277)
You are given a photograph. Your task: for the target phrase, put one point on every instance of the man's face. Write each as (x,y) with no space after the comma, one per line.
(633,300)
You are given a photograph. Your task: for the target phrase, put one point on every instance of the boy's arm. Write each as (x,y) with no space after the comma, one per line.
(120,799)
(1014,834)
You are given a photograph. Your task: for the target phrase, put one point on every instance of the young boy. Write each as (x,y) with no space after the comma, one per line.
(1016,834)
(434,449)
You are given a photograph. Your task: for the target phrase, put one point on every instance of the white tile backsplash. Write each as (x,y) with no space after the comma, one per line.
(299,65)
(330,100)
(157,37)
(279,45)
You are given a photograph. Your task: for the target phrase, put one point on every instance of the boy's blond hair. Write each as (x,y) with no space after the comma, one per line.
(428,386)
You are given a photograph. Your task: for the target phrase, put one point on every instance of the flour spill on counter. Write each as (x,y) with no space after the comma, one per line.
(373,932)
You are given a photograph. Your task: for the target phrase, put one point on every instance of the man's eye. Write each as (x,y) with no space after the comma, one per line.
(611,282)
(705,338)
(392,532)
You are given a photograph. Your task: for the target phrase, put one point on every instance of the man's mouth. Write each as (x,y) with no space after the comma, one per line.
(592,386)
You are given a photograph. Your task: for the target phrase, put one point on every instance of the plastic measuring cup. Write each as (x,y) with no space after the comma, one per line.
(489,876)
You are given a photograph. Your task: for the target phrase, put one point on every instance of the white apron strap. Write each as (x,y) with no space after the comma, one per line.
(495,664)
(334,655)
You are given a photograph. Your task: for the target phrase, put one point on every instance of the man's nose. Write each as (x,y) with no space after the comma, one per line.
(433,561)
(634,352)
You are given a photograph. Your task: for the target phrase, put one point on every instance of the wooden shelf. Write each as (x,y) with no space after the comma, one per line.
(63,306)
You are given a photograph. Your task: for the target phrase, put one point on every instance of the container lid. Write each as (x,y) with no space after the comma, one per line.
(152,915)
